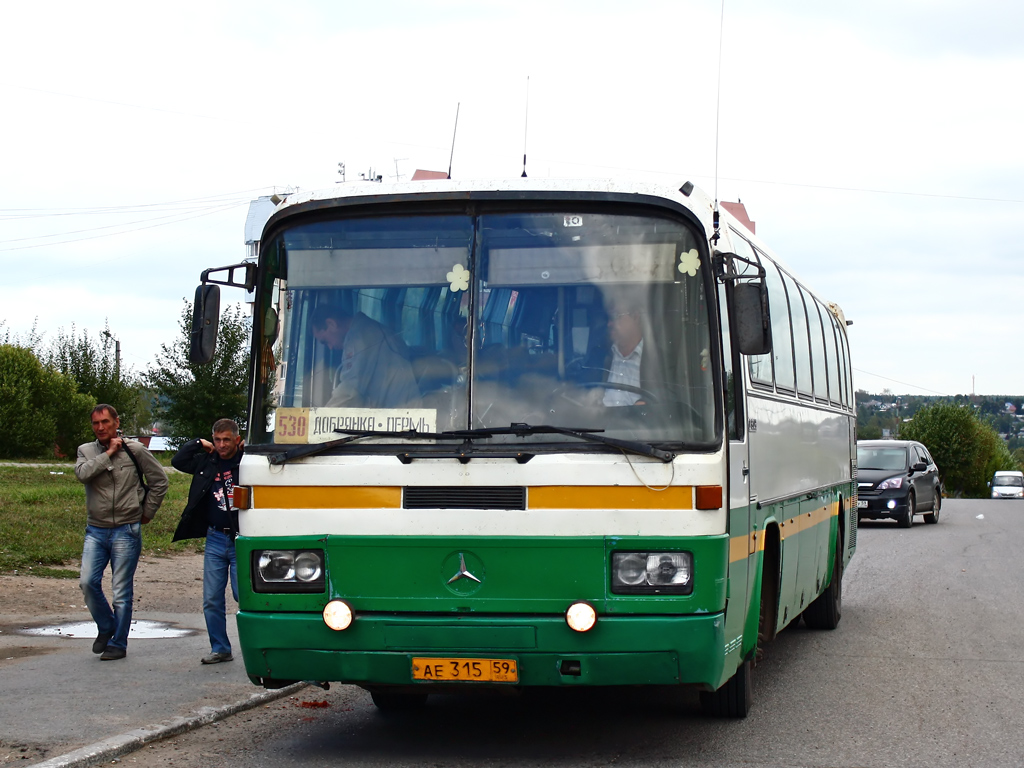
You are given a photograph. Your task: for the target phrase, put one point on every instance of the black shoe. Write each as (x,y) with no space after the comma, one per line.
(113,654)
(216,658)
(99,645)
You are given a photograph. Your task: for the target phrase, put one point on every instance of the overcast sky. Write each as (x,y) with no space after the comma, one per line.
(878,145)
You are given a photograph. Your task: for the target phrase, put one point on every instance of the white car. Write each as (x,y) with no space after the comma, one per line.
(1007,485)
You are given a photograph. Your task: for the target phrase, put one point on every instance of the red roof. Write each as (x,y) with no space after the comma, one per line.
(740,212)
(421,175)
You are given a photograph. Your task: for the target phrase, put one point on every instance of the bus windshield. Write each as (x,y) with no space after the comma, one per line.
(454,322)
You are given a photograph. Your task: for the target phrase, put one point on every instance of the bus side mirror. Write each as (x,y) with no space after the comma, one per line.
(205,319)
(753,328)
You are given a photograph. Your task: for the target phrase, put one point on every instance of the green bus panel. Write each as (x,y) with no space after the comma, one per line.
(519,575)
(378,649)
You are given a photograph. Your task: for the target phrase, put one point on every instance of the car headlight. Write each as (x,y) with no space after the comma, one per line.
(288,570)
(892,484)
(652,573)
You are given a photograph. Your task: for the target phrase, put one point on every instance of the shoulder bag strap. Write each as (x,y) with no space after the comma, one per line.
(138,469)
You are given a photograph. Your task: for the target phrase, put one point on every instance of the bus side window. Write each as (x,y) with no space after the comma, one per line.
(782,337)
(801,343)
(844,342)
(833,354)
(818,357)
(760,366)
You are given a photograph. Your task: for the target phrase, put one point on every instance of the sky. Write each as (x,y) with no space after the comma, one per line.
(878,145)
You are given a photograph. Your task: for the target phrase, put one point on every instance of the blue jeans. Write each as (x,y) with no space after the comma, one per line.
(218,565)
(120,547)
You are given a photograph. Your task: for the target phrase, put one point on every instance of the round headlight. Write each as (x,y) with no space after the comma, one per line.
(581,617)
(630,568)
(307,566)
(277,565)
(338,615)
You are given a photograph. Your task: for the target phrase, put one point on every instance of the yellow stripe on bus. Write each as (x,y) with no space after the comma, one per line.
(609,497)
(743,546)
(326,497)
(540,497)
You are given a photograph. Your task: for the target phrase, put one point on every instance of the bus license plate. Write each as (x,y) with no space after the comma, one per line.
(862,504)
(465,670)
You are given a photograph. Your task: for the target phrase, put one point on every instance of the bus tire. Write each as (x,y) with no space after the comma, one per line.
(733,699)
(388,701)
(827,609)
(933,516)
(907,520)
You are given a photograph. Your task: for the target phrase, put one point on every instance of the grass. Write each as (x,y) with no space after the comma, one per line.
(42,520)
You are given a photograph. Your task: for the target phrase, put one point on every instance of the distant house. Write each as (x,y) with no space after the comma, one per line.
(421,175)
(155,443)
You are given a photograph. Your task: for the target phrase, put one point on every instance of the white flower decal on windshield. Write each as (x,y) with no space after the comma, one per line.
(689,262)
(459,278)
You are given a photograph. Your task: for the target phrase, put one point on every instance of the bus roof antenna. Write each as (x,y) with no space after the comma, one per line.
(526,123)
(718,113)
(454,131)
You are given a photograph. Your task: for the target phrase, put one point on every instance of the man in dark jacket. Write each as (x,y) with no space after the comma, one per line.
(210,513)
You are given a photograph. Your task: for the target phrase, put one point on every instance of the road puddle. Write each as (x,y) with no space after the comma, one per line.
(140,630)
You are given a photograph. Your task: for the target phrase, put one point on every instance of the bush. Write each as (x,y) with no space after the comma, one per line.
(966,450)
(40,409)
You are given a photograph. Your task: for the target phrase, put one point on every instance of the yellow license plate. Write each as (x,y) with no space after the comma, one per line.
(465,670)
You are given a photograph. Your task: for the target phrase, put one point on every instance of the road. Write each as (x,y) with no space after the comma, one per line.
(925,669)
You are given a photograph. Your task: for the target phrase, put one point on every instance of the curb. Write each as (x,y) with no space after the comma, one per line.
(116,746)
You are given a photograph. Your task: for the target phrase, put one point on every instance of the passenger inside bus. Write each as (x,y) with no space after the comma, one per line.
(374,371)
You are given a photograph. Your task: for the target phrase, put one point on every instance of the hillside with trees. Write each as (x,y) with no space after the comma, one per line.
(970,437)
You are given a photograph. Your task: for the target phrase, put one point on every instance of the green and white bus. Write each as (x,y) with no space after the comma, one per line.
(533,433)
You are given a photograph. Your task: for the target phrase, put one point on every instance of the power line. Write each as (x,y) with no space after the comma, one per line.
(127,231)
(67,211)
(869,190)
(896,381)
(179,212)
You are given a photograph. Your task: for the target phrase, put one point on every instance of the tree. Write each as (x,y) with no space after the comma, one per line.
(966,450)
(94,365)
(41,411)
(190,397)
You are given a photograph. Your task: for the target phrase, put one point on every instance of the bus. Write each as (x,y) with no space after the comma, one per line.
(533,433)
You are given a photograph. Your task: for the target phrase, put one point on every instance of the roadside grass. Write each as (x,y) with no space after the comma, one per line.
(42,520)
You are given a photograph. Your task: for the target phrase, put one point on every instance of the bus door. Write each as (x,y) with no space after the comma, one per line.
(741,543)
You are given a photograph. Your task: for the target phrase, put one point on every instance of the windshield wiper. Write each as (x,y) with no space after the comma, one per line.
(631,446)
(517,429)
(351,435)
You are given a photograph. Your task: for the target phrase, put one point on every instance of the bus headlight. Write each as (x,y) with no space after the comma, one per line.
(288,570)
(652,573)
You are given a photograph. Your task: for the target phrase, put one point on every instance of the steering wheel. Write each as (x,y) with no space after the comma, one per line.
(645,394)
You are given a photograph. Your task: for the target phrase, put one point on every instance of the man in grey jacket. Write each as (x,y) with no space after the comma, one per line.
(112,469)
(374,372)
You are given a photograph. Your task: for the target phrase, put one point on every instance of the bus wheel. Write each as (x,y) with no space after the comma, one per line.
(733,699)
(827,609)
(387,701)
(908,517)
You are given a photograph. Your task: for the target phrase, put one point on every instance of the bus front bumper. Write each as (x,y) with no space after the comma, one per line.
(377,650)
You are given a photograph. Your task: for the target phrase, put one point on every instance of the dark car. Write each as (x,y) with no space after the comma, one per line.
(897,479)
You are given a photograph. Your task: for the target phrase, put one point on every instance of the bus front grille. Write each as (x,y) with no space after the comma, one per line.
(458,497)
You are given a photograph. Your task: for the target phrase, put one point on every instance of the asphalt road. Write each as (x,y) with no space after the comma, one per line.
(925,669)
